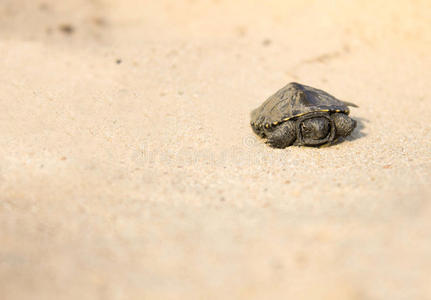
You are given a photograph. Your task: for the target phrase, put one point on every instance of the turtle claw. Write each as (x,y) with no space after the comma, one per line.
(275,144)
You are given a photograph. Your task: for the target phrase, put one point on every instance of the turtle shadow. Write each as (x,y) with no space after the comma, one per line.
(357,132)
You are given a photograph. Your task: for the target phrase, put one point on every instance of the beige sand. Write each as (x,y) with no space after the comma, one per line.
(141,179)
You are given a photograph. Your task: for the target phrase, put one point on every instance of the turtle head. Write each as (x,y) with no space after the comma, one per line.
(315,129)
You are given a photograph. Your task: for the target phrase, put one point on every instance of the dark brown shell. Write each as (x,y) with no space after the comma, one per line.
(292,101)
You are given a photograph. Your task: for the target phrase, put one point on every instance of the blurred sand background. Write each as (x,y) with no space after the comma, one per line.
(128,169)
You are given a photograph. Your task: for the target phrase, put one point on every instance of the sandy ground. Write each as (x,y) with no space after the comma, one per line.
(128,169)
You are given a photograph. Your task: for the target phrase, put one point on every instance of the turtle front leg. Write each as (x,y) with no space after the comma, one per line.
(344,124)
(282,136)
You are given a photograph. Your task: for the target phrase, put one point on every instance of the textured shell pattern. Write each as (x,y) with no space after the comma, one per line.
(294,100)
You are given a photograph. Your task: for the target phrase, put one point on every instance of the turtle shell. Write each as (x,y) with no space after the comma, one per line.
(292,101)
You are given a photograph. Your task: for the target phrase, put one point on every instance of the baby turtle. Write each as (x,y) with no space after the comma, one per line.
(301,115)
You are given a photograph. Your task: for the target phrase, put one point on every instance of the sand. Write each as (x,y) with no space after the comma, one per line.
(128,169)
